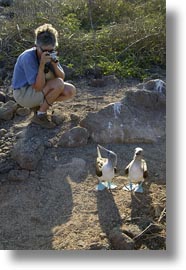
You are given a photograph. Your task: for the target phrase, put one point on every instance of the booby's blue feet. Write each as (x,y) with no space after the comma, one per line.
(110,185)
(134,187)
(100,186)
(129,187)
(138,188)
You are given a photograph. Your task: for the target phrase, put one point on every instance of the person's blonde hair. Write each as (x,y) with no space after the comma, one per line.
(46,35)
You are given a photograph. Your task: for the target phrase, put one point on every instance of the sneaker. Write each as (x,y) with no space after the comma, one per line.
(43,121)
(35,109)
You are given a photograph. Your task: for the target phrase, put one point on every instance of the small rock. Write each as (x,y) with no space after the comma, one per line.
(2,97)
(2,132)
(97,83)
(74,117)
(103,235)
(23,111)
(81,243)
(120,241)
(7,110)
(57,116)
(98,246)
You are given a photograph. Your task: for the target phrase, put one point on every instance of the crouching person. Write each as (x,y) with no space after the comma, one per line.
(38,78)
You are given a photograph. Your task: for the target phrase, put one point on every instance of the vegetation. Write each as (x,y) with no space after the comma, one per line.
(121,37)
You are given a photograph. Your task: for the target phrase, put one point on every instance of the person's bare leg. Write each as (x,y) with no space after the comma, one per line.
(53,89)
(68,92)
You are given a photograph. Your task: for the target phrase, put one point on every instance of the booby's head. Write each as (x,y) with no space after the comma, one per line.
(112,157)
(138,153)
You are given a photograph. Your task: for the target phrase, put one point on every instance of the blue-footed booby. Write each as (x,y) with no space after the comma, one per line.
(105,168)
(136,171)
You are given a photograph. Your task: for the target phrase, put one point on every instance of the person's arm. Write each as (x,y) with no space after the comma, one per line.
(40,79)
(59,72)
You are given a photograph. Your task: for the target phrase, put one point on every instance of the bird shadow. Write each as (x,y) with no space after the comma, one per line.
(108,213)
(142,215)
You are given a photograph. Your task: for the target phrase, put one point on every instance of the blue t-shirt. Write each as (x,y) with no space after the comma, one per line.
(26,69)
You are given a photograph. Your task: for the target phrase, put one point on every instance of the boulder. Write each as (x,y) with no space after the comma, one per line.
(27,152)
(156,85)
(74,137)
(147,100)
(138,118)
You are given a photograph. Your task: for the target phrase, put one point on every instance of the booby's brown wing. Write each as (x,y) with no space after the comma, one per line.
(127,168)
(99,165)
(144,167)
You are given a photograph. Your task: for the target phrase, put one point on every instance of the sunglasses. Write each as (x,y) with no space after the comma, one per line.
(50,51)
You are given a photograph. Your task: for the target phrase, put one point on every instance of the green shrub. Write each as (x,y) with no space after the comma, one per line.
(122,37)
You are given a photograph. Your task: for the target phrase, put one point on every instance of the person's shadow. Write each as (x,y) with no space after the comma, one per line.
(35,210)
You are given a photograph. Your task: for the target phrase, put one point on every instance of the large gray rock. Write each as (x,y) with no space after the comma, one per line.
(153,85)
(27,152)
(74,137)
(139,117)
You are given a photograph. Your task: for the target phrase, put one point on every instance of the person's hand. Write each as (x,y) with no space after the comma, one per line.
(55,64)
(45,58)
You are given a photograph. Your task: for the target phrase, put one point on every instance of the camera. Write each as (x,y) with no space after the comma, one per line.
(54,56)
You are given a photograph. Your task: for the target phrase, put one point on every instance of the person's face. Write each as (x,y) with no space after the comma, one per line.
(42,49)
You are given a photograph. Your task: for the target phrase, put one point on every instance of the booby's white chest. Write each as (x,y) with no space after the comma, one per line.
(107,172)
(136,171)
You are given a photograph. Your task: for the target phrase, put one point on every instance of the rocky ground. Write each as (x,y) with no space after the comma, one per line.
(48,198)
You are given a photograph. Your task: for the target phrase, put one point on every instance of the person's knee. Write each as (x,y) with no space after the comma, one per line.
(59,84)
(70,90)
(73,91)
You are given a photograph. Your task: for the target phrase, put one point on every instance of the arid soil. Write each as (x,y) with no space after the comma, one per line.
(57,207)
